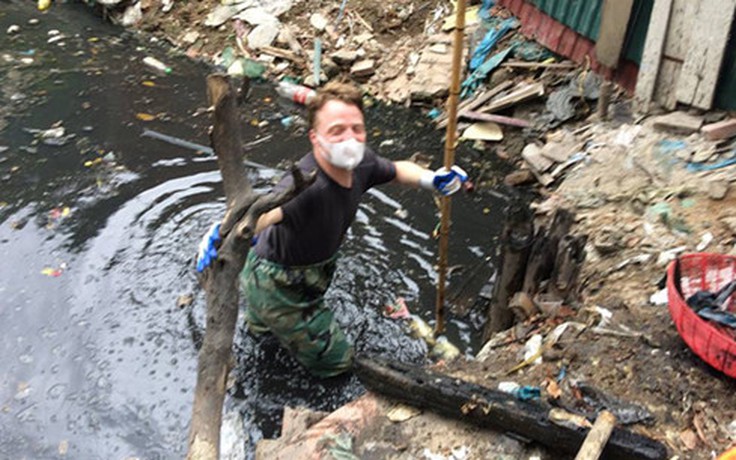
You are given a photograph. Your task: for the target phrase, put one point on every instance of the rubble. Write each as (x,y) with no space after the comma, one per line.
(364,68)
(344,57)
(432,73)
(679,122)
(721,130)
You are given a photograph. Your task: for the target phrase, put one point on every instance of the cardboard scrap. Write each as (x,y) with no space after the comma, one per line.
(484,131)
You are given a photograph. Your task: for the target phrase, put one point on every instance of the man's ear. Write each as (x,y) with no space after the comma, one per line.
(312,134)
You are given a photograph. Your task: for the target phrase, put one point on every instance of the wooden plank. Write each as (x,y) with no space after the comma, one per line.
(614,22)
(667,84)
(540,65)
(675,51)
(524,93)
(652,57)
(710,30)
(476,102)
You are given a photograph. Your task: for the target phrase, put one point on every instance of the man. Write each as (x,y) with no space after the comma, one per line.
(291,266)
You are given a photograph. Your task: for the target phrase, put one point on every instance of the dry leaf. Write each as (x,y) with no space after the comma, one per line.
(402,413)
(553,389)
(145,116)
(689,439)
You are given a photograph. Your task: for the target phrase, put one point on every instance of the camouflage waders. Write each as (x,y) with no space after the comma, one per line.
(289,302)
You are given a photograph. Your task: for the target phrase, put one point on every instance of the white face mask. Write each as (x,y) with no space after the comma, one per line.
(345,155)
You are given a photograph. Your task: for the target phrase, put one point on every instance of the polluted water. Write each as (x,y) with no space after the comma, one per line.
(102,314)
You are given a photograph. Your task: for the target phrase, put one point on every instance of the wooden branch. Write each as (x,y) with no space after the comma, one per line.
(494,409)
(225,136)
(284,54)
(597,437)
(221,279)
(518,122)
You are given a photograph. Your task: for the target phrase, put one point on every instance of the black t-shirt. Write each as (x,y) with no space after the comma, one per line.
(316,220)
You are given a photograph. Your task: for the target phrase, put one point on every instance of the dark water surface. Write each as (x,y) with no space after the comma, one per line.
(99,361)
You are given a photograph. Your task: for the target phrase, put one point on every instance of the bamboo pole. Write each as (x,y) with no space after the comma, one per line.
(450,140)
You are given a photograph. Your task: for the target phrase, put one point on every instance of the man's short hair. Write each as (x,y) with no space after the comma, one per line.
(334,90)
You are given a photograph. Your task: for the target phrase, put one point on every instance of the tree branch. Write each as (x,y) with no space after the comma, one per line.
(220,280)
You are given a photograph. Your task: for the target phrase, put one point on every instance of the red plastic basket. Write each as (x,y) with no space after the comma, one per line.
(714,343)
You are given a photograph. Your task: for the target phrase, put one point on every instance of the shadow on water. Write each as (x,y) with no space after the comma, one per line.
(97,359)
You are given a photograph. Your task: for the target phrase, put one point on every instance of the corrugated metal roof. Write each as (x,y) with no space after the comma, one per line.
(565,41)
(582,16)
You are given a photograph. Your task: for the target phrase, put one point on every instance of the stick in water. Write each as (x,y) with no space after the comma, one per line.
(202,148)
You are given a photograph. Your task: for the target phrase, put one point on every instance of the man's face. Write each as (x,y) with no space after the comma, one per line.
(337,121)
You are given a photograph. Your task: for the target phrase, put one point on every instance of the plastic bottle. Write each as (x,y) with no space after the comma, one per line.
(156,64)
(297,93)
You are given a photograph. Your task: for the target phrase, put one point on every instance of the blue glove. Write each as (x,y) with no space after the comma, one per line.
(443,180)
(207,251)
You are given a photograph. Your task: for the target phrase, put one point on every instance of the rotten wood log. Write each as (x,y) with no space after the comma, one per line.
(597,437)
(544,251)
(569,263)
(494,409)
(220,281)
(516,241)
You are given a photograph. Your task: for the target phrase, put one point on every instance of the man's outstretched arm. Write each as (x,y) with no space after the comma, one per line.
(443,180)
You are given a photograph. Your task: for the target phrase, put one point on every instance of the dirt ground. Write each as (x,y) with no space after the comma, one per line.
(631,200)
